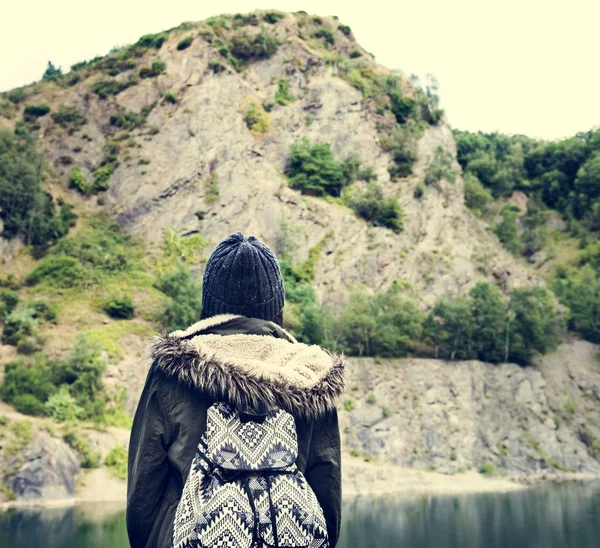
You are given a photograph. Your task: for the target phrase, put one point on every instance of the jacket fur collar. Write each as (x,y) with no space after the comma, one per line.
(254,372)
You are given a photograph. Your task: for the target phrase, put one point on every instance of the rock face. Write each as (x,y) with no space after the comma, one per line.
(450,416)
(161,180)
(45,469)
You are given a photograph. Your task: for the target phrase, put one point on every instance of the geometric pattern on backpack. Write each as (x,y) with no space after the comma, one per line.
(244,490)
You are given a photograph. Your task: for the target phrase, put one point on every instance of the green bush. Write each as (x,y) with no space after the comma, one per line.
(58,271)
(257,120)
(508,231)
(68,118)
(116,461)
(477,197)
(247,48)
(327,36)
(104,88)
(8,302)
(27,379)
(345,29)
(89,458)
(25,208)
(369,204)
(185,292)
(28,404)
(33,112)
(121,308)
(62,406)
(78,181)
(216,66)
(102,177)
(273,17)
(151,41)
(185,43)
(169,98)
(157,67)
(401,142)
(21,326)
(52,72)
(283,95)
(487,468)
(312,169)
(127,120)
(82,372)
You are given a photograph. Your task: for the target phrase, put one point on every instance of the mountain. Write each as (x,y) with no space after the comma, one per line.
(282,126)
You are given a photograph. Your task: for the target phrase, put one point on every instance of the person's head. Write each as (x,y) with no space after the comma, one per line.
(242,277)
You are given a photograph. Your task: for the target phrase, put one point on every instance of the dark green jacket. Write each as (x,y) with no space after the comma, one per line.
(253,364)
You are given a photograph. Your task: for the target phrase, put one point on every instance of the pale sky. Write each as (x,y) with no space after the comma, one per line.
(514,66)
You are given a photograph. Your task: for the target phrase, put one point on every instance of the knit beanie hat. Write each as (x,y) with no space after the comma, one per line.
(242,277)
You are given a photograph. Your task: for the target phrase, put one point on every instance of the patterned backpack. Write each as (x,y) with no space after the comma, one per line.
(244,490)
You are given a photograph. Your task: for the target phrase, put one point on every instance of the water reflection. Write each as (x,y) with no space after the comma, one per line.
(564,516)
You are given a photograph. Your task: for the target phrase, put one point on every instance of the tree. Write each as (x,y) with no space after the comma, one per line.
(449,328)
(52,72)
(489,322)
(477,197)
(534,327)
(508,231)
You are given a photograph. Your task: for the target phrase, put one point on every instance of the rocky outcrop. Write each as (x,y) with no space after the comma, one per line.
(45,469)
(457,416)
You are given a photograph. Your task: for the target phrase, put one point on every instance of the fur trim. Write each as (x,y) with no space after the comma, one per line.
(253,372)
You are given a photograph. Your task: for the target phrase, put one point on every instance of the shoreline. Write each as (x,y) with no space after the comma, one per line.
(375,481)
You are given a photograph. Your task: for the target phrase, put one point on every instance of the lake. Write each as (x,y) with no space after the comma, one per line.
(559,516)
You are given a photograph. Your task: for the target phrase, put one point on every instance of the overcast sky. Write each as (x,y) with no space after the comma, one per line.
(514,66)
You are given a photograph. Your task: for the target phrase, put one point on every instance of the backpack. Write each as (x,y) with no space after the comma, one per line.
(244,490)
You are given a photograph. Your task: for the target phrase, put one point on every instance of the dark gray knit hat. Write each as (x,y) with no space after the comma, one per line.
(242,276)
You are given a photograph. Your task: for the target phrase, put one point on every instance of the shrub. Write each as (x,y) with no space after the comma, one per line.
(185,302)
(151,41)
(477,197)
(8,302)
(507,230)
(116,461)
(256,119)
(58,271)
(371,398)
(283,95)
(169,98)
(312,169)
(28,404)
(185,43)
(327,36)
(78,181)
(370,204)
(16,96)
(487,468)
(273,17)
(61,406)
(248,48)
(216,66)
(102,177)
(349,405)
(345,29)
(52,72)
(127,120)
(33,112)
(402,144)
(68,117)
(157,67)
(121,308)
(23,379)
(82,372)
(89,458)
(367,174)
(104,88)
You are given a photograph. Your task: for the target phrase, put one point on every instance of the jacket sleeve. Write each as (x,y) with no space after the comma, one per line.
(323,472)
(148,466)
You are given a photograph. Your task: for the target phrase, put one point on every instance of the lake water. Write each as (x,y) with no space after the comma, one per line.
(562,516)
